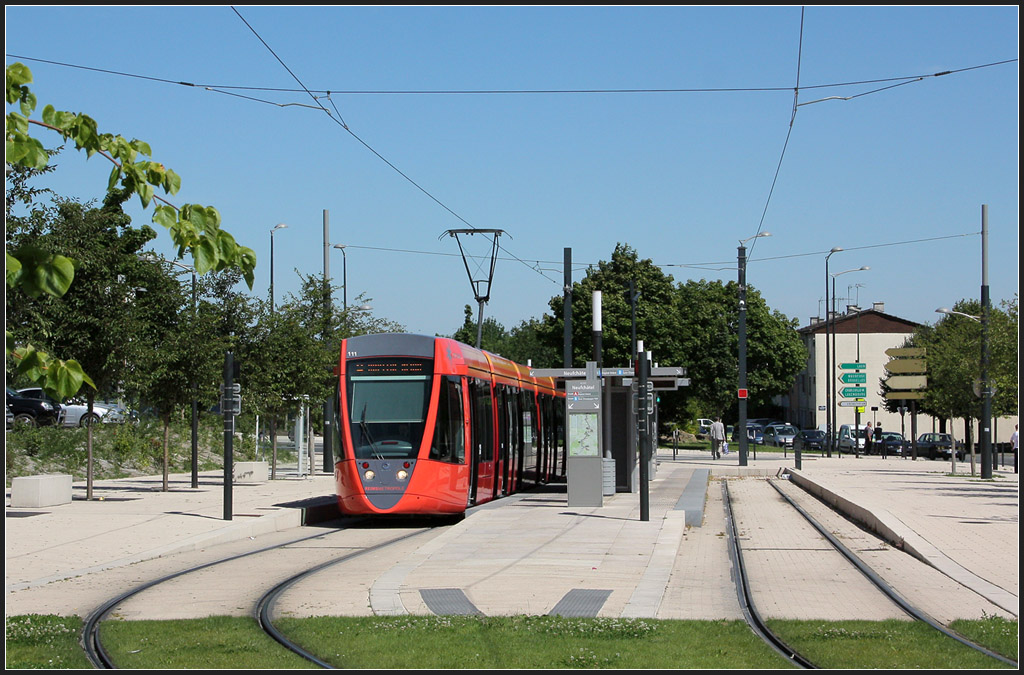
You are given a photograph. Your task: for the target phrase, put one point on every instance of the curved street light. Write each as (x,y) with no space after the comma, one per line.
(835,359)
(828,365)
(945,310)
(344,275)
(276,227)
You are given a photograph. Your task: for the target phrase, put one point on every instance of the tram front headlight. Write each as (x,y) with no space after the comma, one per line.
(369,474)
(402,474)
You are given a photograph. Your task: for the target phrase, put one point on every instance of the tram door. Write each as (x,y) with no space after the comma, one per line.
(501,465)
(506,400)
(483,475)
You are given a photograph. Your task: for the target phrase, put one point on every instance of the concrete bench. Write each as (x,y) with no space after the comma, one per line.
(40,491)
(251,472)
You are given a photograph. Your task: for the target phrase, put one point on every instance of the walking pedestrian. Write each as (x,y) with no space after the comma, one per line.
(867,438)
(717,434)
(1013,444)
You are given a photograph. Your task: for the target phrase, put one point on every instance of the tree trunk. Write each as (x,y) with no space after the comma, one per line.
(167,439)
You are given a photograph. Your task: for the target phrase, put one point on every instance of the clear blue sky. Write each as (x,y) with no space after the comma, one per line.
(896,175)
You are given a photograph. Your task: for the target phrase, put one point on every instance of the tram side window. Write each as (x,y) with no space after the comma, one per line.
(483,421)
(529,435)
(449,444)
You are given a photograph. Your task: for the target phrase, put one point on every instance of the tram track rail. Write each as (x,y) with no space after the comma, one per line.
(265,606)
(760,627)
(101,658)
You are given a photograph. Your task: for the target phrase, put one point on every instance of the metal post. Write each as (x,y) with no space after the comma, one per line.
(567,308)
(272,230)
(229,435)
(633,295)
(195,396)
(742,404)
(856,413)
(832,372)
(328,455)
(986,393)
(828,366)
(642,413)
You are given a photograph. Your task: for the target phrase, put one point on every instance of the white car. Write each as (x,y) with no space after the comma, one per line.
(75,413)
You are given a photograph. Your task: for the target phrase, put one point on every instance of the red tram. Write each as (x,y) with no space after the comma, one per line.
(427,425)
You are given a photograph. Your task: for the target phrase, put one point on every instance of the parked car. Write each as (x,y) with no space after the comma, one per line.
(851,438)
(893,442)
(937,446)
(75,413)
(703,426)
(779,435)
(755,434)
(31,412)
(809,439)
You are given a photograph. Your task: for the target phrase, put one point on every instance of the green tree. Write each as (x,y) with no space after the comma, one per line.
(692,325)
(169,358)
(526,345)
(116,300)
(654,311)
(953,354)
(493,337)
(284,360)
(708,326)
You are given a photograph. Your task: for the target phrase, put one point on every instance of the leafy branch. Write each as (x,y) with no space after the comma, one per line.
(194,228)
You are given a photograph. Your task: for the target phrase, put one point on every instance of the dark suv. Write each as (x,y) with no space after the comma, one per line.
(30,412)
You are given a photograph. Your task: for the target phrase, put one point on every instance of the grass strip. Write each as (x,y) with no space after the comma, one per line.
(892,643)
(526,642)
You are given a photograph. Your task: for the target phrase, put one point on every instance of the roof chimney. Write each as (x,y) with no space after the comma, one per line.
(878,306)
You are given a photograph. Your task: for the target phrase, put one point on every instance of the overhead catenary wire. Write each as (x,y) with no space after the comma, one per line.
(371,149)
(904,79)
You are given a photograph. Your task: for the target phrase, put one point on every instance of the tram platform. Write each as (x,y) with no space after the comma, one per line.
(533,553)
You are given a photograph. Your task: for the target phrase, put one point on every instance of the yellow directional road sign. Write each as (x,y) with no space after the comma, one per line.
(904,395)
(907,382)
(910,352)
(907,366)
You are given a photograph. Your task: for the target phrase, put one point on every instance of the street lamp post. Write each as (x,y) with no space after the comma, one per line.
(986,392)
(741,393)
(828,365)
(276,227)
(835,359)
(344,276)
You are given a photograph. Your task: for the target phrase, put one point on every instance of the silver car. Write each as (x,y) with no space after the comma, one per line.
(75,413)
(780,435)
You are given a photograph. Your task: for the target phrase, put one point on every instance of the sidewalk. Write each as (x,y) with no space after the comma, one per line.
(533,553)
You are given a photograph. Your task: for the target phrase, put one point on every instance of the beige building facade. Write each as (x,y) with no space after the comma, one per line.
(861,336)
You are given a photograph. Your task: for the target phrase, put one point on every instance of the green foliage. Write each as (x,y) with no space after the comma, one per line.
(694,325)
(953,354)
(41,272)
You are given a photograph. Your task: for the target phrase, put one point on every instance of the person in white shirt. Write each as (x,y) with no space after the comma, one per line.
(717,434)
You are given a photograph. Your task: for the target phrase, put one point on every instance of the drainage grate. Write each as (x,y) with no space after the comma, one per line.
(581,602)
(443,601)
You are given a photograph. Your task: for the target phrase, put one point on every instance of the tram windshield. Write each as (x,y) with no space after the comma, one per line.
(388,412)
